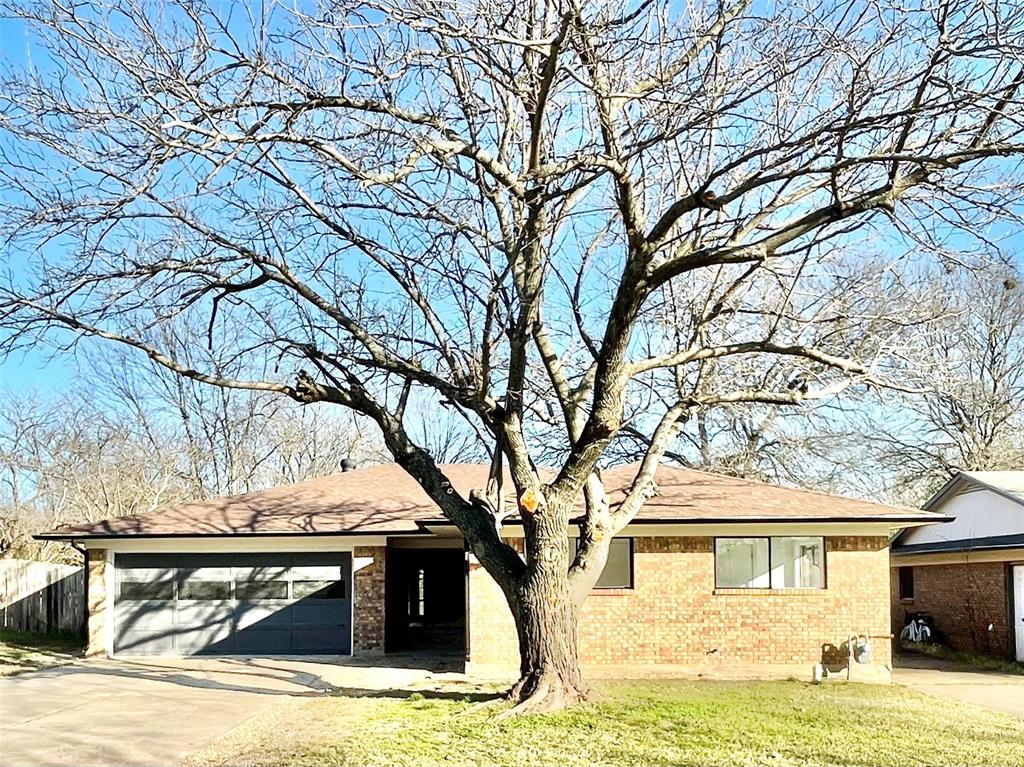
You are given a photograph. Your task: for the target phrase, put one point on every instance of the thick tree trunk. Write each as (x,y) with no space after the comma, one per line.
(549,672)
(546,616)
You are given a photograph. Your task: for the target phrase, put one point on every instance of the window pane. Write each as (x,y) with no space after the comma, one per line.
(261,590)
(618,570)
(204,590)
(798,563)
(741,563)
(318,589)
(906,576)
(140,590)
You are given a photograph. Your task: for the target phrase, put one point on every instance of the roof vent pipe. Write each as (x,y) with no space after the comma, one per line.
(347,464)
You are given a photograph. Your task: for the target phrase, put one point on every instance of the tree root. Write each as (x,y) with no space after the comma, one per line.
(483,705)
(544,692)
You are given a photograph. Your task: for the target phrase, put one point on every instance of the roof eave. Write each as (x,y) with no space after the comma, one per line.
(966,545)
(55,536)
(422,527)
(921,518)
(942,492)
(995,489)
(968,478)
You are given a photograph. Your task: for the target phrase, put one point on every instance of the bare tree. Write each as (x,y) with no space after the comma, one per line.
(963,359)
(229,440)
(845,303)
(970,412)
(132,437)
(64,461)
(801,448)
(447,436)
(490,206)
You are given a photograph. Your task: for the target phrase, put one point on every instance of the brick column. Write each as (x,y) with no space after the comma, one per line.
(96,590)
(368,591)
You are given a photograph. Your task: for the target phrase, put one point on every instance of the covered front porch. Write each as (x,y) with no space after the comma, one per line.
(425,597)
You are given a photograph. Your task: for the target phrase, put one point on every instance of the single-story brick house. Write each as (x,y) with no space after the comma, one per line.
(967,575)
(715,573)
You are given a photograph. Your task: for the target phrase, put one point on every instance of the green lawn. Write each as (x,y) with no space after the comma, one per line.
(635,723)
(22,651)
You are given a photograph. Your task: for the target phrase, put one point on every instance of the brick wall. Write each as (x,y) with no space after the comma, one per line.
(96,595)
(674,615)
(491,632)
(968,601)
(368,612)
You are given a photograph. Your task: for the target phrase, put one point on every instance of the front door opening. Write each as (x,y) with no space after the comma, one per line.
(425,601)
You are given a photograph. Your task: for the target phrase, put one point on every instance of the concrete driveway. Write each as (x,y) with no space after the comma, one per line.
(988,689)
(117,713)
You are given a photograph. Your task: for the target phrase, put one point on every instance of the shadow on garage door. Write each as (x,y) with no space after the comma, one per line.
(224,604)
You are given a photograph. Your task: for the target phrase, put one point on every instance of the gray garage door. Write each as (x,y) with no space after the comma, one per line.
(222,604)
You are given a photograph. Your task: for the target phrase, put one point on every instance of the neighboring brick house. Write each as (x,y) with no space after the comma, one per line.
(968,575)
(715,574)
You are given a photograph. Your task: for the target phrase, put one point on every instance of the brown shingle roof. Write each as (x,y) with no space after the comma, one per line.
(384,500)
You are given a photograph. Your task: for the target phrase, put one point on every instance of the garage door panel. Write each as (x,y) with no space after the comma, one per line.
(234,603)
(204,614)
(257,639)
(259,574)
(267,613)
(325,612)
(146,643)
(145,616)
(204,583)
(315,572)
(206,573)
(216,638)
(148,574)
(319,640)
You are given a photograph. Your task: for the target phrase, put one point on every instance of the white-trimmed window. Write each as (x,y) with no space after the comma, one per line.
(784,562)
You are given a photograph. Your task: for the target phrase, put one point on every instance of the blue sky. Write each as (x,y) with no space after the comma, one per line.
(37,370)
(31,370)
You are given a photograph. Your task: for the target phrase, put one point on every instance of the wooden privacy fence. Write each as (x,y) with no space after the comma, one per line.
(41,597)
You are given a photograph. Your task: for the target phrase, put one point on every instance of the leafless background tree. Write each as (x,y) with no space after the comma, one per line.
(126,438)
(970,412)
(555,219)
(229,441)
(63,460)
(964,370)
